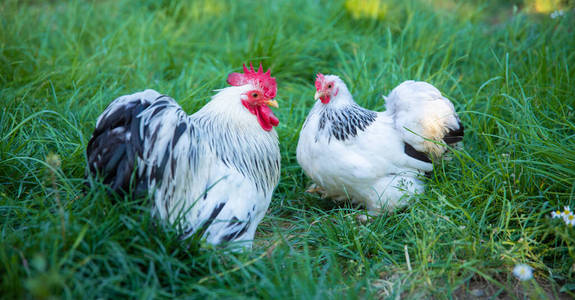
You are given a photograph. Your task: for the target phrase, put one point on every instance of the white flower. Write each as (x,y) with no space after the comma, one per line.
(523,272)
(556,214)
(569,219)
(557,13)
(567,215)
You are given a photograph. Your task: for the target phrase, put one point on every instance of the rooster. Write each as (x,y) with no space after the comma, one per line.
(375,158)
(212,173)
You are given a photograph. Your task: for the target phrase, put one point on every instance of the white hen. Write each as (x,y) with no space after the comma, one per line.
(375,158)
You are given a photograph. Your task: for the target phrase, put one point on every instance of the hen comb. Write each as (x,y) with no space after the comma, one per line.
(318,81)
(259,79)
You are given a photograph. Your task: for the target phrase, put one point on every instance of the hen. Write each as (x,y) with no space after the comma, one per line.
(211,173)
(375,158)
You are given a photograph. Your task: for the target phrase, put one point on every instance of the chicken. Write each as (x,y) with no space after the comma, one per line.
(375,158)
(211,173)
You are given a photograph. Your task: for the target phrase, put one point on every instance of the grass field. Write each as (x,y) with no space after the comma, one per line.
(509,70)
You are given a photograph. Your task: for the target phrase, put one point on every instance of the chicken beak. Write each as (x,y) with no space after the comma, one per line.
(272,103)
(317,95)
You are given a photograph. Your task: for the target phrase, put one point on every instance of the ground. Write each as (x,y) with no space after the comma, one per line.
(507,66)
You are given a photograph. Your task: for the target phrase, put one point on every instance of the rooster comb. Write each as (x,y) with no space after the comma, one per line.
(318,81)
(259,79)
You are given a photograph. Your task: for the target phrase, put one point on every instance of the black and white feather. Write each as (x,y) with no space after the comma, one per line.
(376,158)
(211,173)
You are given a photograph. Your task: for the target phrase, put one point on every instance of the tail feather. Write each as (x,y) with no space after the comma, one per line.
(454,135)
(425,119)
(116,144)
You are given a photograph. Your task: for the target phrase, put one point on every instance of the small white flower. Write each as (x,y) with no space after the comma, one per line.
(566,210)
(523,272)
(556,214)
(569,219)
(557,13)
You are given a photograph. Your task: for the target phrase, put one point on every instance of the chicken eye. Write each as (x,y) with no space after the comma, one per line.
(329,86)
(255,95)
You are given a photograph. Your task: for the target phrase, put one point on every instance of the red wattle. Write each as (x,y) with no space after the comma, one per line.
(266,117)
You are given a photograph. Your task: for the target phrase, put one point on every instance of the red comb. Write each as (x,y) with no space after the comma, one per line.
(259,78)
(319,79)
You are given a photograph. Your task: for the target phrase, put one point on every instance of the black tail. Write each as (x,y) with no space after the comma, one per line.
(454,136)
(115,145)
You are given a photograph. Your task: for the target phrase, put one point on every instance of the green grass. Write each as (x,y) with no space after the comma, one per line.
(509,72)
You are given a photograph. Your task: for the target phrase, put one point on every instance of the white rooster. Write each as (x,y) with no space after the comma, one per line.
(375,158)
(212,173)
